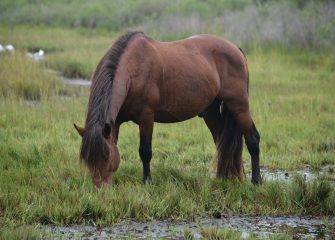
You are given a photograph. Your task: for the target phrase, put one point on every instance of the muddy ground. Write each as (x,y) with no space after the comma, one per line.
(297,227)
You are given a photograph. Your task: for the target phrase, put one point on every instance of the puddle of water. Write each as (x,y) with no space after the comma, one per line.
(297,227)
(307,173)
(79,82)
(280,175)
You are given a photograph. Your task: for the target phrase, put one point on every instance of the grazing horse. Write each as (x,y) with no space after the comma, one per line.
(146,81)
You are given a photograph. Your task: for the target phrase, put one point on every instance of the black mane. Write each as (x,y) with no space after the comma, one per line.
(93,147)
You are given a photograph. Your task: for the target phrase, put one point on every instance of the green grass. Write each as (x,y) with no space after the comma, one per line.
(74,53)
(21,77)
(26,233)
(292,103)
(41,181)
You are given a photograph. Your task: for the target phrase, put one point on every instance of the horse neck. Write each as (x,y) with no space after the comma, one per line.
(119,95)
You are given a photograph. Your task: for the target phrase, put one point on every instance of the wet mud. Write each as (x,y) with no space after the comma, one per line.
(296,227)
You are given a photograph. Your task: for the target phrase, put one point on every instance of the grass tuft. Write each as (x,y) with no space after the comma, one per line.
(19,233)
(218,234)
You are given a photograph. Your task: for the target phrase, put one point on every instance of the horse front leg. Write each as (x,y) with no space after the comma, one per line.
(146,125)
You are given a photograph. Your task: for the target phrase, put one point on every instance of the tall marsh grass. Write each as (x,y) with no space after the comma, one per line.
(73,53)
(283,24)
(22,77)
(289,23)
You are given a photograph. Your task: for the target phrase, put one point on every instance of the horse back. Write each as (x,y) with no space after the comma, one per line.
(222,62)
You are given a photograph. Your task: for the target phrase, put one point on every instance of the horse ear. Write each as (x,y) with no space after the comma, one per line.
(106,131)
(79,129)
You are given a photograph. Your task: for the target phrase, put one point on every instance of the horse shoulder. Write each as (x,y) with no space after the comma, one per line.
(143,70)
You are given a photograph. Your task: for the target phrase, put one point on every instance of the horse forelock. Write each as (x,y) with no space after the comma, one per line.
(94,148)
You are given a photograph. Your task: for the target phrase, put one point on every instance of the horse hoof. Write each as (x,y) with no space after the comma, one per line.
(256,181)
(147,180)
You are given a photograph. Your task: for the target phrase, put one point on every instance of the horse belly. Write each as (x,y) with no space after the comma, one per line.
(184,101)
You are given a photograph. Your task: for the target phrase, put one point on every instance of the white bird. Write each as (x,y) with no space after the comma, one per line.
(10,48)
(37,56)
(1,48)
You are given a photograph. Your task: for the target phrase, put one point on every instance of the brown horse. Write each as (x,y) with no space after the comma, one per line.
(146,81)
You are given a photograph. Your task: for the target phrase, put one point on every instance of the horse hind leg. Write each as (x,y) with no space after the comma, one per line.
(240,110)
(230,147)
(228,139)
(212,118)
(252,141)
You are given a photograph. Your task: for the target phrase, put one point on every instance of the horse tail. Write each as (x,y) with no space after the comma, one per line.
(229,146)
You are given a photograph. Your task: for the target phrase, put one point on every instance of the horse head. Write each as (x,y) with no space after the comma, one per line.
(99,152)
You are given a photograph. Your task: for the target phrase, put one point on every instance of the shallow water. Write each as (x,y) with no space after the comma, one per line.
(297,227)
(307,173)
(280,175)
(79,82)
